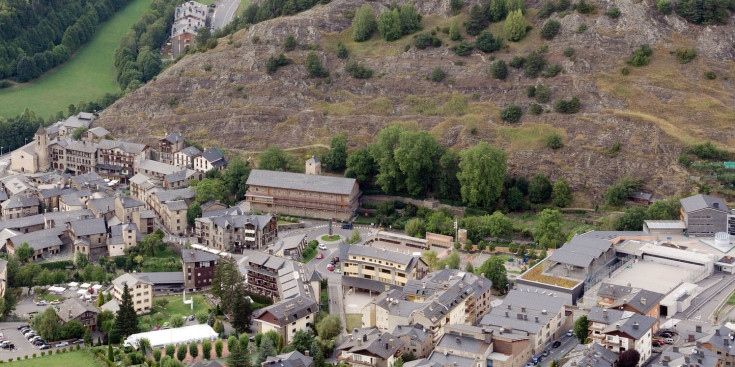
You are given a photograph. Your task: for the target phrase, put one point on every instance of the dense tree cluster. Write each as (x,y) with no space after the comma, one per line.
(36,36)
(393,24)
(136,58)
(568,106)
(705,11)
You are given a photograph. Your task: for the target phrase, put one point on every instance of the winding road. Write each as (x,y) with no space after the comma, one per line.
(224,12)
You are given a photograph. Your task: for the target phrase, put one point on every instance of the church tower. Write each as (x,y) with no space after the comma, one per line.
(41,149)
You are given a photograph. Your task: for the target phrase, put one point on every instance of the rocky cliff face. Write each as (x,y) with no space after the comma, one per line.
(654,112)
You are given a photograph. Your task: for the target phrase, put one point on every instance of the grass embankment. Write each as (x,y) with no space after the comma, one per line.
(86,77)
(76,358)
(176,305)
(353,321)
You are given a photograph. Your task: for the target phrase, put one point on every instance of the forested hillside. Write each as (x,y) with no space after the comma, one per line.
(37,35)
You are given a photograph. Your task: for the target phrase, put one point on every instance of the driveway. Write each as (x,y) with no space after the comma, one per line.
(22,346)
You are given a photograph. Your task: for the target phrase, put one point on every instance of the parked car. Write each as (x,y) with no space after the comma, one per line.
(322,246)
(78,341)
(330,267)
(545,353)
(335,259)
(338,271)
(655,344)
(157,327)
(55,302)
(529,364)
(537,358)
(669,341)
(45,346)
(9,346)
(39,342)
(165,324)
(556,344)
(23,326)
(570,332)
(347,226)
(41,303)
(191,317)
(62,344)
(320,256)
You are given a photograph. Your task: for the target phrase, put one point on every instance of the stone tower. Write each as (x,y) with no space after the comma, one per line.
(313,166)
(41,149)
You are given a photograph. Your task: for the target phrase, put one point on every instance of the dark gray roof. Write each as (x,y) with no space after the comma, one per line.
(73,308)
(370,341)
(191,151)
(450,359)
(641,196)
(614,291)
(701,201)
(462,343)
(191,256)
(592,355)
(382,254)
(720,338)
(125,146)
(290,310)
(689,355)
(293,359)
(178,194)
(580,251)
(40,240)
(3,195)
(604,316)
(49,193)
(102,205)
(422,363)
(158,167)
(414,332)
(20,201)
(519,303)
(89,227)
(635,326)
(174,138)
(300,181)
(213,155)
(174,205)
(163,277)
(58,219)
(642,300)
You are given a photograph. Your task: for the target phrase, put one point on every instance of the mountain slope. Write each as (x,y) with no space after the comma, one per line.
(653,112)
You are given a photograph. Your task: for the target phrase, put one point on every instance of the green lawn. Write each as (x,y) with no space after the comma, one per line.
(86,77)
(243,5)
(731,300)
(327,239)
(50,297)
(353,320)
(176,305)
(76,358)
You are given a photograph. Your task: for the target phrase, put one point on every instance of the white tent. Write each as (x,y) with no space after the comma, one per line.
(85,285)
(186,334)
(82,291)
(97,287)
(56,289)
(73,284)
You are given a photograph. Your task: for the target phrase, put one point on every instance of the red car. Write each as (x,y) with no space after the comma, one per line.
(330,267)
(320,256)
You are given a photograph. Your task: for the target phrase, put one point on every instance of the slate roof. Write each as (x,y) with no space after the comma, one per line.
(592,355)
(163,277)
(174,138)
(58,219)
(627,325)
(102,205)
(641,300)
(157,167)
(191,256)
(293,359)
(701,201)
(20,201)
(191,151)
(689,356)
(177,194)
(131,279)
(3,195)
(614,291)
(300,181)
(40,240)
(125,146)
(370,341)
(720,338)
(381,254)
(414,332)
(213,155)
(99,131)
(175,205)
(543,306)
(422,363)
(290,310)
(580,251)
(88,227)
(77,308)
(76,145)
(462,343)
(450,359)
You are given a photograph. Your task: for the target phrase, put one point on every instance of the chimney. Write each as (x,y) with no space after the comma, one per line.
(390,342)
(635,325)
(617,326)
(667,357)
(459,340)
(726,341)
(604,313)
(386,345)
(364,337)
(643,300)
(665,363)
(525,317)
(523,309)
(686,359)
(675,349)
(699,345)
(717,332)
(307,352)
(506,313)
(698,328)
(537,319)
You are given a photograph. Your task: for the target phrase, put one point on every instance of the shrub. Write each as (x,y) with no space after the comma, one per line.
(552,71)
(613,13)
(34,354)
(455,6)
(389,25)
(569,51)
(290,43)
(511,113)
(358,71)
(486,42)
(255,40)
(425,40)
(364,24)
(685,55)
(571,106)
(536,109)
(546,10)
(172,101)
(462,49)
(476,22)
(542,93)
(517,62)
(211,43)
(708,151)
(342,51)
(625,71)
(314,66)
(530,91)
(207,67)
(498,70)
(583,7)
(437,75)
(711,75)
(550,29)
(554,141)
(533,65)
(582,27)
(5,84)
(640,56)
(664,7)
(614,150)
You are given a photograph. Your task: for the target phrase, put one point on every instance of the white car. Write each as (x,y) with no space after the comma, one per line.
(62,344)
(42,303)
(338,271)
(322,246)
(570,332)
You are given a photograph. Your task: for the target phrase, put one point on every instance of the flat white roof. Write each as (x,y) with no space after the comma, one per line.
(56,289)
(175,336)
(665,224)
(85,285)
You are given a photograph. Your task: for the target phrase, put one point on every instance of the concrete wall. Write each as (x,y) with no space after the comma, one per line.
(706,222)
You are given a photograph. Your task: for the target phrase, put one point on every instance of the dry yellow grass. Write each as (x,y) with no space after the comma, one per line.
(536,275)
(528,135)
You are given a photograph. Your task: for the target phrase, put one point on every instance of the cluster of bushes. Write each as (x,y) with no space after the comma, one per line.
(540,92)
(425,40)
(310,250)
(392,24)
(550,29)
(567,106)
(512,113)
(641,56)
(685,55)
(314,67)
(499,70)
(708,151)
(36,36)
(583,7)
(480,16)
(136,58)
(437,75)
(705,11)
(273,63)
(358,71)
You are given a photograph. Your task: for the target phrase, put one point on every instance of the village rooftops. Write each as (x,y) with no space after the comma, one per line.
(520,309)
(191,151)
(175,137)
(175,205)
(40,240)
(131,280)
(158,167)
(290,310)
(580,251)
(301,182)
(381,254)
(87,227)
(701,201)
(54,218)
(20,201)
(293,359)
(177,194)
(125,146)
(371,341)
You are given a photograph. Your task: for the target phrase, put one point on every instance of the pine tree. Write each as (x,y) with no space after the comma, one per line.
(126,320)
(389,25)
(515,26)
(454,31)
(314,66)
(496,11)
(561,194)
(342,51)
(476,22)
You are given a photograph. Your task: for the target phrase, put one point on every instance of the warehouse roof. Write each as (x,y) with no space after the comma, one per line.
(303,182)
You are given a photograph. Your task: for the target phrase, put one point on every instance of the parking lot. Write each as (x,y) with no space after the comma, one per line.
(22,346)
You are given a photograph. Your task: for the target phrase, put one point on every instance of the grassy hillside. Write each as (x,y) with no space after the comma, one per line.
(87,76)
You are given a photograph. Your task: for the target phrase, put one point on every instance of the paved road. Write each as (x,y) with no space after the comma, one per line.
(702,311)
(567,343)
(224,12)
(22,346)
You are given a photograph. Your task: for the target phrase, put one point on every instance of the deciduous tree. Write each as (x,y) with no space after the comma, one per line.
(481,174)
